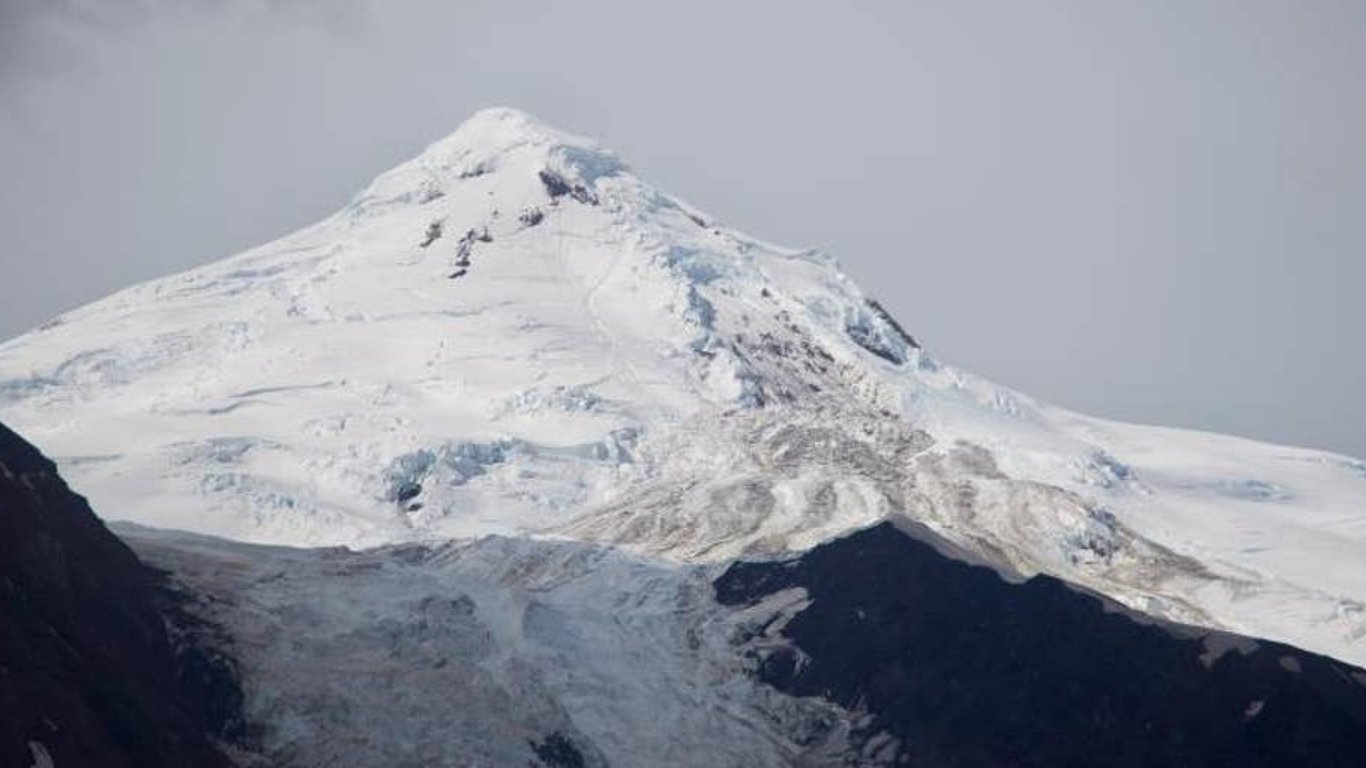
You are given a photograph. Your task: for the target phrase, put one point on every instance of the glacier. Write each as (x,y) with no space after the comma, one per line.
(512,337)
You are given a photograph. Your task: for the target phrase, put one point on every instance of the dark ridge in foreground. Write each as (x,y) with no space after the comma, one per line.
(966,669)
(89,675)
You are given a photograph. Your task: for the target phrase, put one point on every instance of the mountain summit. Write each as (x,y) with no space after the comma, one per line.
(513,334)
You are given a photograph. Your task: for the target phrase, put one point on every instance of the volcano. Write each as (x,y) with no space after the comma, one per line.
(495,465)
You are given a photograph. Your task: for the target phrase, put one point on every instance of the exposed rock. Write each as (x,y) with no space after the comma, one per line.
(557,751)
(557,186)
(887,318)
(475,171)
(433,234)
(88,672)
(947,664)
(531,217)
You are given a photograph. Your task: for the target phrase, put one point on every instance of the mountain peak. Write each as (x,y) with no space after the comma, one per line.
(498,130)
(489,141)
(511,124)
(511,333)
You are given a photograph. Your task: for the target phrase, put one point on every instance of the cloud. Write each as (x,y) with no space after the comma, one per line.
(47,37)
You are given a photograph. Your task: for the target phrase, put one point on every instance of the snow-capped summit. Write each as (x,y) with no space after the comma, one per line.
(491,139)
(512,333)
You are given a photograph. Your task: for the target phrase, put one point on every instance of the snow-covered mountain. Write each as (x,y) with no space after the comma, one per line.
(513,334)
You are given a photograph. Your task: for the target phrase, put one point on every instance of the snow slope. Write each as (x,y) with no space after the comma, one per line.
(513,334)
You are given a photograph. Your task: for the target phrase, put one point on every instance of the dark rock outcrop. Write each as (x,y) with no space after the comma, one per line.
(557,751)
(433,234)
(531,216)
(89,672)
(887,318)
(962,668)
(557,187)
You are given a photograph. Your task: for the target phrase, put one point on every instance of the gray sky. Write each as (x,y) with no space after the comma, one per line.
(1153,211)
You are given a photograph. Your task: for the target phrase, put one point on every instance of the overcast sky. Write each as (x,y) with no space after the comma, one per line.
(1153,211)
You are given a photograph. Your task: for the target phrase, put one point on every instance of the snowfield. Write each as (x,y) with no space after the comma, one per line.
(513,335)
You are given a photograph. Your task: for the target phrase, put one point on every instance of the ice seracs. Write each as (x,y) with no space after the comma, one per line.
(514,334)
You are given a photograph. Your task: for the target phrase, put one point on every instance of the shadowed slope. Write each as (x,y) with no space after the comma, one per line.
(88,674)
(965,669)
